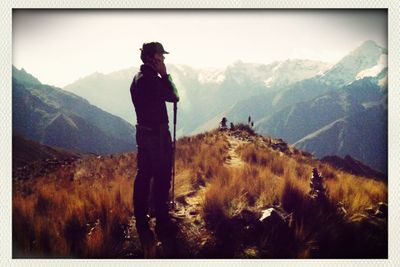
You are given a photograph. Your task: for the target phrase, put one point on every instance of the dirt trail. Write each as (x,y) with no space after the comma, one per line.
(188,205)
(234,159)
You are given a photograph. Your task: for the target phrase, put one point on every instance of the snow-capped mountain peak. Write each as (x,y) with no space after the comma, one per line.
(294,70)
(211,76)
(366,60)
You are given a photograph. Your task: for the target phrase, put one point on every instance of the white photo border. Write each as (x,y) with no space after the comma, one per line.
(6,8)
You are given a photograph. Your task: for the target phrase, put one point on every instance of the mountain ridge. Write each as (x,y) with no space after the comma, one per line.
(44,113)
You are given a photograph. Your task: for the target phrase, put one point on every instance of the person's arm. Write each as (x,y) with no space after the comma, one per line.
(169,91)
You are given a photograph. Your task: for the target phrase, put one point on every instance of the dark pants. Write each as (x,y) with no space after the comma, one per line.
(154,160)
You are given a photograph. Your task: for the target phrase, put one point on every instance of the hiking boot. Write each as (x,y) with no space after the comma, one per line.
(148,242)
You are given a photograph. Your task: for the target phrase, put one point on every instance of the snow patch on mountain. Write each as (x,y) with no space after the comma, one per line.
(294,70)
(211,76)
(375,70)
(268,82)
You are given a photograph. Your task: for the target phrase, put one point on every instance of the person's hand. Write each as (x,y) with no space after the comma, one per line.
(160,67)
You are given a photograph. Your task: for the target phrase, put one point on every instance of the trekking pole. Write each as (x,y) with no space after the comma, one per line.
(173,156)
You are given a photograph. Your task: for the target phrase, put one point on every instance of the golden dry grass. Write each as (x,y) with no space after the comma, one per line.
(83,210)
(58,212)
(356,193)
(272,177)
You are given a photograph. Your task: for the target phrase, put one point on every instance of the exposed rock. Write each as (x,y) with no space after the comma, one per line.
(274,215)
(275,234)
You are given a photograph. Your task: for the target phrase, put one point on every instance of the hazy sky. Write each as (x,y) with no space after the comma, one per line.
(61,46)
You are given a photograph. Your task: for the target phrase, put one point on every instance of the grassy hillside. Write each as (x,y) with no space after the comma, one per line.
(225,182)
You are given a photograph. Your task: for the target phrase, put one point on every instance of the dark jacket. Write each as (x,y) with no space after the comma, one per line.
(149,93)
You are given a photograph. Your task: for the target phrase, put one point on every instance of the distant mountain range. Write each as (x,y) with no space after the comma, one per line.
(55,117)
(204,93)
(295,100)
(337,115)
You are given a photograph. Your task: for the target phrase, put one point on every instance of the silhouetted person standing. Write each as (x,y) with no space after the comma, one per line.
(222,124)
(150,89)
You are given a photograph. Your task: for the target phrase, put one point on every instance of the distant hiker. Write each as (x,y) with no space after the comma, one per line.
(232,126)
(222,124)
(150,89)
(250,122)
